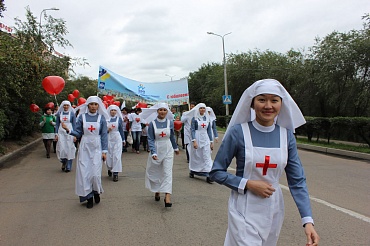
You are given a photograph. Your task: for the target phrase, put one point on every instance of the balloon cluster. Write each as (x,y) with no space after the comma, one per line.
(75,94)
(109,100)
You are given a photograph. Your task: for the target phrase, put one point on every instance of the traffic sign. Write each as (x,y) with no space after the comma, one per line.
(226,99)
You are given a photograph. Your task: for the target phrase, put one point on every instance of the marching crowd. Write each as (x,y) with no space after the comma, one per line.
(259,135)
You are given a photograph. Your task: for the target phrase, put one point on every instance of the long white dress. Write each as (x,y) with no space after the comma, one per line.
(158,176)
(200,159)
(66,148)
(89,159)
(114,161)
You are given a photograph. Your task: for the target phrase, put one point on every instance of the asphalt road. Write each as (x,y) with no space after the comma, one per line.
(38,205)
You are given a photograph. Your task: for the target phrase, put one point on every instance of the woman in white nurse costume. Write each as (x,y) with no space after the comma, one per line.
(162,145)
(260,137)
(91,127)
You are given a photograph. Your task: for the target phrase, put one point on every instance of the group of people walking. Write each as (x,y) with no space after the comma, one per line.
(259,135)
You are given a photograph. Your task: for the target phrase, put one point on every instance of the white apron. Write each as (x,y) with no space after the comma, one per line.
(66,148)
(114,162)
(89,159)
(200,158)
(254,220)
(158,177)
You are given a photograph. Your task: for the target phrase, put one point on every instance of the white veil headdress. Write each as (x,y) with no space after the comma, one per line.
(194,112)
(150,114)
(117,109)
(290,116)
(93,99)
(61,109)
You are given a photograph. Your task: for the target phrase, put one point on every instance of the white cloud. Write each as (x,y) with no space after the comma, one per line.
(144,40)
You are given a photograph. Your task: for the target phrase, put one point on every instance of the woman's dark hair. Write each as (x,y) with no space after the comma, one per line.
(137,110)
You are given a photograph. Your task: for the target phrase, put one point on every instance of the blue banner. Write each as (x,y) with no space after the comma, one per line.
(174,92)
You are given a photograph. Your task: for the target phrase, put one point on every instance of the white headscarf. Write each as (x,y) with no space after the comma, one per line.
(211,114)
(116,108)
(61,109)
(150,114)
(93,99)
(290,116)
(194,112)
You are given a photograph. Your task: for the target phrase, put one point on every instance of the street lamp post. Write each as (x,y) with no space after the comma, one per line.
(171,76)
(225,75)
(41,16)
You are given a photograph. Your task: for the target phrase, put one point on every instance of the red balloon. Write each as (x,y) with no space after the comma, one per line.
(49,105)
(109,97)
(177,125)
(71,97)
(34,108)
(105,98)
(117,103)
(105,104)
(53,84)
(76,93)
(141,105)
(80,101)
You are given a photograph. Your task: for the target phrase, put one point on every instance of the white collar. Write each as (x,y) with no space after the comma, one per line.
(92,114)
(161,120)
(262,128)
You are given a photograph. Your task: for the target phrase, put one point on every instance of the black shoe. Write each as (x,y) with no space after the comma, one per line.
(47,156)
(67,171)
(90,203)
(191,175)
(167,204)
(63,166)
(157,197)
(96,198)
(115,178)
(109,173)
(209,181)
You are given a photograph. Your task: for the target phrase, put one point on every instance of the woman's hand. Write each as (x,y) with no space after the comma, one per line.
(103,156)
(195,145)
(124,143)
(56,138)
(312,236)
(155,157)
(211,145)
(64,126)
(74,139)
(177,152)
(260,188)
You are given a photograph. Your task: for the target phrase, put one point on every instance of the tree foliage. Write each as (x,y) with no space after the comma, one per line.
(331,79)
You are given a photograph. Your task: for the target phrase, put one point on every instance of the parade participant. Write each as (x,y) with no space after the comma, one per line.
(91,127)
(66,149)
(186,121)
(200,162)
(47,124)
(136,128)
(212,118)
(263,150)
(126,126)
(158,176)
(116,139)
(55,111)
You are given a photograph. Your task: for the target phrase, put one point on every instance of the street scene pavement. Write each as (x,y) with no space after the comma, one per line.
(38,205)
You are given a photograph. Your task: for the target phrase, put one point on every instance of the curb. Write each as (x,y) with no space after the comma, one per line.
(13,153)
(330,151)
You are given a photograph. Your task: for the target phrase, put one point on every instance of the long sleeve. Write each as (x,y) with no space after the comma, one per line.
(73,120)
(232,146)
(120,129)
(209,132)
(214,129)
(193,128)
(297,181)
(172,136)
(78,130)
(151,139)
(57,123)
(103,132)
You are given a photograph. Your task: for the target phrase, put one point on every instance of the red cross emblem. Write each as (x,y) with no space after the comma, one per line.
(65,118)
(203,125)
(162,134)
(137,120)
(266,165)
(91,128)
